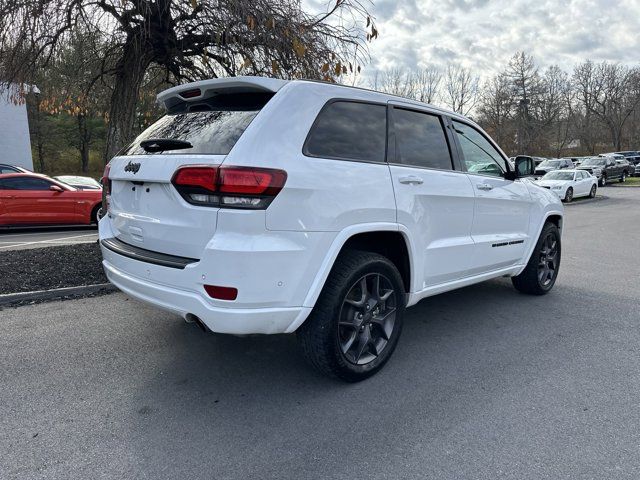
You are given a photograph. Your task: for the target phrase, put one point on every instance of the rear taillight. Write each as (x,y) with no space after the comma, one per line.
(229,186)
(106,189)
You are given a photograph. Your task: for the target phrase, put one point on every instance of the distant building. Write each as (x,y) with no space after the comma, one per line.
(15,144)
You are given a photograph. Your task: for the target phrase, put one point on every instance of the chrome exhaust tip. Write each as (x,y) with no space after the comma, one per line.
(191,318)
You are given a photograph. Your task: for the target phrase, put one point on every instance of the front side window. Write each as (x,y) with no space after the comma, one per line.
(24,183)
(349,130)
(480,156)
(420,140)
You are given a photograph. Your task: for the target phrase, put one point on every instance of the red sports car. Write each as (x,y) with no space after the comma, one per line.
(33,199)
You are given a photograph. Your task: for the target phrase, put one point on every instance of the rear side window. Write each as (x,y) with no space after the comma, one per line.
(349,130)
(420,140)
(211,126)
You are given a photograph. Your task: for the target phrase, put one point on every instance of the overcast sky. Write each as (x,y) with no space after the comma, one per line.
(484,34)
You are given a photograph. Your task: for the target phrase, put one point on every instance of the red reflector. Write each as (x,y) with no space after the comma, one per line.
(190,93)
(204,177)
(251,181)
(221,293)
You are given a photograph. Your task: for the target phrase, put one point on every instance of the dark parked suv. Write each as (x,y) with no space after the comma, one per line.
(633,158)
(605,168)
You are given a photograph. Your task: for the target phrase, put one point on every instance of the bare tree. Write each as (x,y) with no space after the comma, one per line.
(395,81)
(611,101)
(426,84)
(554,108)
(527,89)
(460,89)
(496,108)
(188,40)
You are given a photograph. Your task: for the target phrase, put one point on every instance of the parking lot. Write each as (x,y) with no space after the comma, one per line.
(486,383)
(23,238)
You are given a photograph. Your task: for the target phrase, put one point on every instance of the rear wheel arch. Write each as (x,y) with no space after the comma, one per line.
(363,237)
(390,244)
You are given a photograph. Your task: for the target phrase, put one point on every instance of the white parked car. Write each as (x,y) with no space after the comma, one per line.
(82,183)
(268,206)
(569,184)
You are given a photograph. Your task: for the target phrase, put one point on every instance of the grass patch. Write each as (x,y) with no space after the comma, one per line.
(629,182)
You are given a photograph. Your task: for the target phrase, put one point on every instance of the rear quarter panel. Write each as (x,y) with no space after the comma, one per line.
(320,194)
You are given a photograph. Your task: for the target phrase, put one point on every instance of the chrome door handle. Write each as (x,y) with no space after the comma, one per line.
(411,179)
(484,186)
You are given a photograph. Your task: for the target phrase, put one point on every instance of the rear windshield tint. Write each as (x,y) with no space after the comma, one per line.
(212,126)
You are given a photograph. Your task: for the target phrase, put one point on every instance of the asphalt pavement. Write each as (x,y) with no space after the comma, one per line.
(20,239)
(486,383)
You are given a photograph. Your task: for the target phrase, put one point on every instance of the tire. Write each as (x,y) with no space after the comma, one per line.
(592,193)
(623,177)
(94,214)
(531,281)
(603,180)
(342,336)
(569,195)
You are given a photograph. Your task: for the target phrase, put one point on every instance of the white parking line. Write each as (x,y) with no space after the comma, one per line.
(52,240)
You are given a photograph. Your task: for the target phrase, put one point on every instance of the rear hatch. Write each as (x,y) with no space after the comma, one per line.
(145,208)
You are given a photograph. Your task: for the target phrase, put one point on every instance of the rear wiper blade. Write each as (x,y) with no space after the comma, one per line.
(154,145)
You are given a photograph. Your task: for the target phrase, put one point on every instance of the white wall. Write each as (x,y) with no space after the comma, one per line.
(15,144)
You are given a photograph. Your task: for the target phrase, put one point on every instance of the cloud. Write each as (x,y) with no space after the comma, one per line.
(484,34)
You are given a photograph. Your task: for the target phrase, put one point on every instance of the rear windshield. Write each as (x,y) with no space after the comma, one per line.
(212,127)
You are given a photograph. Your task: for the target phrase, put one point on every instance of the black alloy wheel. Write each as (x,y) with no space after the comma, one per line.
(549,260)
(541,272)
(356,322)
(367,319)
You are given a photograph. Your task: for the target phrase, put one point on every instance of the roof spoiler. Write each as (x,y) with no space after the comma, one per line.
(197,91)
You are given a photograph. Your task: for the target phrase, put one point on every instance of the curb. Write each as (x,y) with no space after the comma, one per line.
(55,293)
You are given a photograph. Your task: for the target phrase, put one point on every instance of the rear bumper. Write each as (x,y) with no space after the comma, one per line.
(217,319)
(273,272)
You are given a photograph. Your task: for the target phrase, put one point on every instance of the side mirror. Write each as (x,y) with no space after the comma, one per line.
(524,167)
(56,188)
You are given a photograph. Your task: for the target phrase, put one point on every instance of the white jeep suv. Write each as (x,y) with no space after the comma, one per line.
(267,206)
